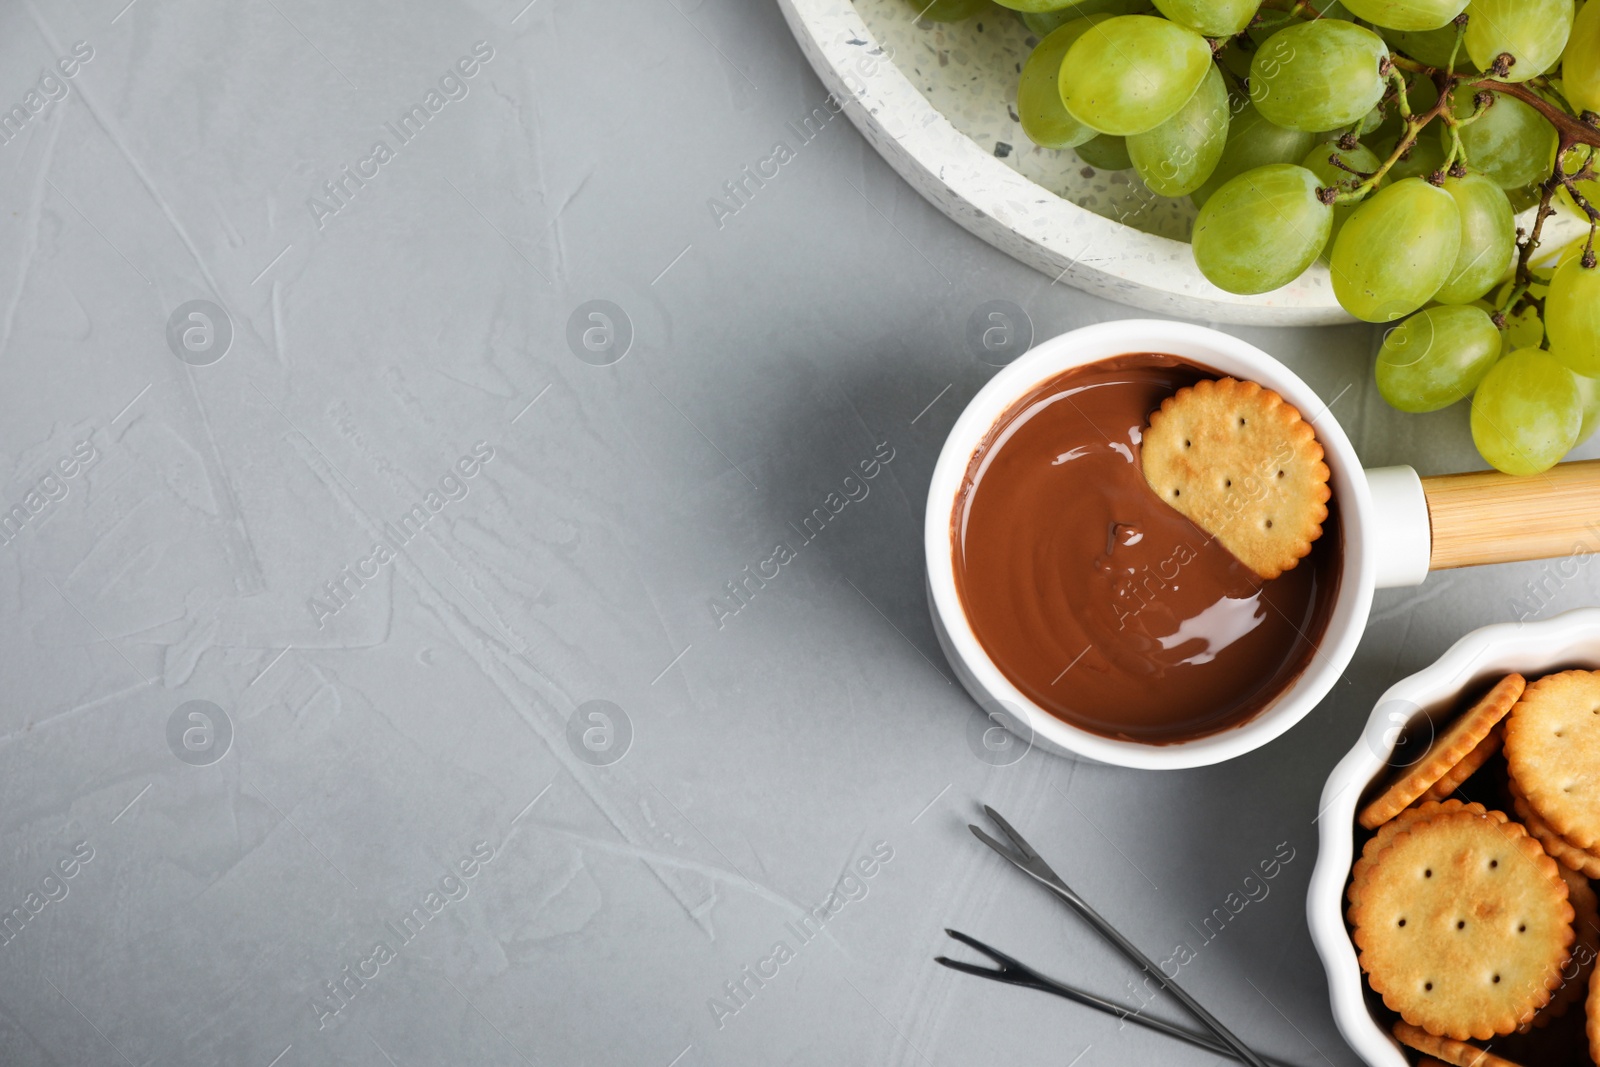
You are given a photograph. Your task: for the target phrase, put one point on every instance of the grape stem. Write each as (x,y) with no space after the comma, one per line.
(1571,131)
(1335,161)
(1517,292)
(1408,139)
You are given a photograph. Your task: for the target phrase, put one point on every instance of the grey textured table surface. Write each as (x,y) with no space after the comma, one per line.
(386,752)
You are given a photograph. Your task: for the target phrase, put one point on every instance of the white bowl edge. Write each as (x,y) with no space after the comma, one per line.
(1225,353)
(1012,213)
(1530,648)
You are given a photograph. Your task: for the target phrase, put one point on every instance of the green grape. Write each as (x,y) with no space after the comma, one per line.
(1432,47)
(1318,75)
(1526,413)
(1235,59)
(1131,73)
(1044,119)
(1043,23)
(1214,18)
(1262,229)
(1253,142)
(1105,152)
(1572,316)
(1488,239)
(1580,64)
(948,10)
(1522,198)
(1524,328)
(1396,250)
(1359,158)
(1425,158)
(1037,6)
(1407,14)
(1589,396)
(1436,357)
(1370,122)
(1511,142)
(1533,31)
(1176,156)
(1572,162)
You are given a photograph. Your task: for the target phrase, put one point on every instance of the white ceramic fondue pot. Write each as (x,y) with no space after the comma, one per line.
(1396,527)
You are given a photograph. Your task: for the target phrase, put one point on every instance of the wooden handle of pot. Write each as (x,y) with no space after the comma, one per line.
(1489,517)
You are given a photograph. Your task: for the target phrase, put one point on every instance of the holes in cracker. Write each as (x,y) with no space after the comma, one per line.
(1428,873)
(1402,922)
(1461,924)
(1427,987)
(1497,979)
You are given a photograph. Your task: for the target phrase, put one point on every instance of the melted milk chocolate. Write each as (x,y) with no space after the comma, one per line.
(1099,601)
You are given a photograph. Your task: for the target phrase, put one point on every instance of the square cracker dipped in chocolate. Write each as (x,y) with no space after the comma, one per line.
(1242,465)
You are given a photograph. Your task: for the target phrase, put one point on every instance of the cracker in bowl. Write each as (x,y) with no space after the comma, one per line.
(1456,744)
(1553,750)
(1443,1050)
(1463,924)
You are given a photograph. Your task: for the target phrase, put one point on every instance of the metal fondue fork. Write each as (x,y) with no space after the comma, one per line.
(1014,972)
(1036,868)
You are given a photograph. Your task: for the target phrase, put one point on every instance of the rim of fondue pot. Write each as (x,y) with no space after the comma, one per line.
(997,696)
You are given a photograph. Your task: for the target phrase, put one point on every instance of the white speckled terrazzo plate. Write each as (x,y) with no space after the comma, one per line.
(936,100)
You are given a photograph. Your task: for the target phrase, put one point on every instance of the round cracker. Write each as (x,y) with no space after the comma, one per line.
(1243,465)
(1561,850)
(1445,1050)
(1553,750)
(1386,833)
(1470,764)
(1454,744)
(1463,925)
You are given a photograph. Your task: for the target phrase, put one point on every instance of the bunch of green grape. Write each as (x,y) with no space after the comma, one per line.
(1393,139)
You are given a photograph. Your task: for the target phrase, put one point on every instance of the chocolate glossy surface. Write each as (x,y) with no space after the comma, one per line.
(1100,602)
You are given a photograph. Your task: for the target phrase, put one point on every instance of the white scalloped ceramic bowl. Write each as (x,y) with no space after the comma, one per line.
(1532,649)
(935,100)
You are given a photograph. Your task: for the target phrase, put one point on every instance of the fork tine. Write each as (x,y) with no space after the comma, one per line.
(992,843)
(1010,831)
(988,950)
(966,968)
